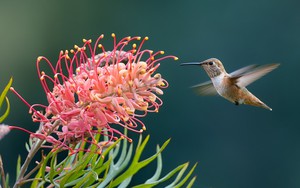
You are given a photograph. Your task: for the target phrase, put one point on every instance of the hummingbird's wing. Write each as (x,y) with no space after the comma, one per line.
(239,72)
(205,88)
(245,76)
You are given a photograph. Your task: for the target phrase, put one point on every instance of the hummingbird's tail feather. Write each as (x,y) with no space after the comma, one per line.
(257,103)
(250,99)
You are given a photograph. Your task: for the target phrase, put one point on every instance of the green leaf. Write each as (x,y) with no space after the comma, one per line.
(100,161)
(125,183)
(53,170)
(27,146)
(182,182)
(2,97)
(135,165)
(191,182)
(179,175)
(114,167)
(4,92)
(44,163)
(78,169)
(100,166)
(168,176)
(7,180)
(158,168)
(18,169)
(35,182)
(6,111)
(90,175)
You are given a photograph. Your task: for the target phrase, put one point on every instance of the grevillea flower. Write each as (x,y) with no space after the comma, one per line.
(91,91)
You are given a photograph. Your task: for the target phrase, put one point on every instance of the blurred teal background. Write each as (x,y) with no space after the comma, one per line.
(236,146)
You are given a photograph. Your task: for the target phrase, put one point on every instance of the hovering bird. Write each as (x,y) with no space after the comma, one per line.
(232,86)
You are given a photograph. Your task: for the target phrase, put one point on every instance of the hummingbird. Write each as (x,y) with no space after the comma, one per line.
(232,86)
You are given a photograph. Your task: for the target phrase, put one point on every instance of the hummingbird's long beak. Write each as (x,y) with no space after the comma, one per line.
(191,63)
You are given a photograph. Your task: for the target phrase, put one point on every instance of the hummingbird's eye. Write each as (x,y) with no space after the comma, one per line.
(211,63)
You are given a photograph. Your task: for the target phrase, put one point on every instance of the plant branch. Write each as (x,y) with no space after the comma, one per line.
(2,173)
(32,171)
(36,146)
(30,156)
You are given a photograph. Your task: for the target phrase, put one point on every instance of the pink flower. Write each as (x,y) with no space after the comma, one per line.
(90,92)
(4,130)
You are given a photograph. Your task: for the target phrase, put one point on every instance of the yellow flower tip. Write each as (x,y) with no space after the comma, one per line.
(84,48)
(55,76)
(43,73)
(157,76)
(146,38)
(145,108)
(87,41)
(72,51)
(68,57)
(78,69)
(151,51)
(129,140)
(134,45)
(130,124)
(76,47)
(143,71)
(113,35)
(162,84)
(119,92)
(129,37)
(80,102)
(39,58)
(66,51)
(162,52)
(144,128)
(138,38)
(176,58)
(130,83)
(99,45)
(12,89)
(152,58)
(122,137)
(102,36)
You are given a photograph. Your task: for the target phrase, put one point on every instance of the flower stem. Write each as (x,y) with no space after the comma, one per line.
(30,156)
(33,150)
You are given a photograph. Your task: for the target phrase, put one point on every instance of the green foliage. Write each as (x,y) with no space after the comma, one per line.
(114,167)
(4,180)
(18,166)
(2,97)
